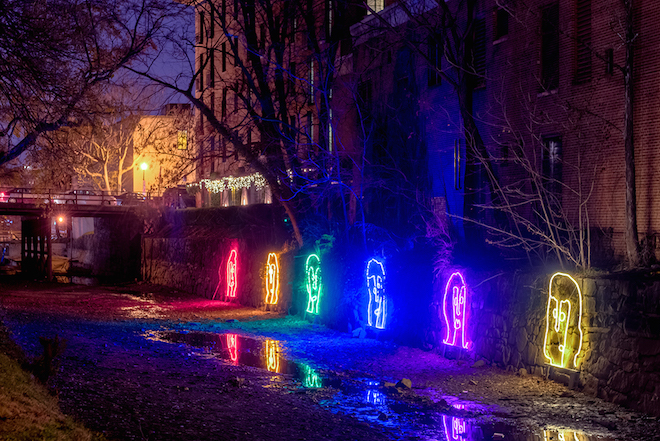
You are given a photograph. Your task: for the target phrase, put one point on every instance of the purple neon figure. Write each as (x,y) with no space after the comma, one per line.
(453,307)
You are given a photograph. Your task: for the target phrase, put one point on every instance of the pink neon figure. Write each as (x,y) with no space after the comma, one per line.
(453,307)
(232,345)
(232,274)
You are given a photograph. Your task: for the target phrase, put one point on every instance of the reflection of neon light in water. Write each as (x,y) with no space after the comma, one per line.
(232,345)
(563,318)
(310,377)
(375,397)
(453,307)
(273,356)
(455,428)
(377,308)
(313,283)
(561,435)
(272,279)
(232,273)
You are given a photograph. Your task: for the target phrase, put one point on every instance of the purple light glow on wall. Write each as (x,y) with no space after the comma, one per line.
(454,305)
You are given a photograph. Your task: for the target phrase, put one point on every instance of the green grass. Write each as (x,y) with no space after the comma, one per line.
(27,411)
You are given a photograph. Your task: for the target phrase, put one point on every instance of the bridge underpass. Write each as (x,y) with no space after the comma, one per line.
(36,227)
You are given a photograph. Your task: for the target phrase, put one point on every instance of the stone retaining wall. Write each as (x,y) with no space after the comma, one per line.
(621,323)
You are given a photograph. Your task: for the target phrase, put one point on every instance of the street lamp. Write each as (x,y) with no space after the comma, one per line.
(144,166)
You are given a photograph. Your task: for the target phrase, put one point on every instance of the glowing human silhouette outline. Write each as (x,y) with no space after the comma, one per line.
(458,308)
(313,283)
(272,279)
(232,273)
(558,306)
(376,290)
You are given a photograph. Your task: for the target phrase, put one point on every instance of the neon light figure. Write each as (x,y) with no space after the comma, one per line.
(453,307)
(313,283)
(272,356)
(563,322)
(377,308)
(272,279)
(456,429)
(232,345)
(232,273)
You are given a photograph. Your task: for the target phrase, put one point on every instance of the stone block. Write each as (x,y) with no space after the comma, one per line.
(531,354)
(521,339)
(602,368)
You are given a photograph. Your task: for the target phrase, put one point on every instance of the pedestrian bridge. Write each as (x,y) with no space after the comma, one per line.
(37,221)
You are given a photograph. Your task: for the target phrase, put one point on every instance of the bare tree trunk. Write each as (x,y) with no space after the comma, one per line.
(632,238)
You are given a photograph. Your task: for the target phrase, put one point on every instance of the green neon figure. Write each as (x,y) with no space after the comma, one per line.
(313,283)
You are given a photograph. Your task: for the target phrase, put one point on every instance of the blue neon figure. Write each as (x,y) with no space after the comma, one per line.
(377,309)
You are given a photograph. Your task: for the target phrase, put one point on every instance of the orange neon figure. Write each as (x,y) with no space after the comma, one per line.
(273,356)
(454,306)
(455,428)
(232,273)
(232,345)
(272,279)
(563,322)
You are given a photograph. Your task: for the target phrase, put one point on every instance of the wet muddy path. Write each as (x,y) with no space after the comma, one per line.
(205,375)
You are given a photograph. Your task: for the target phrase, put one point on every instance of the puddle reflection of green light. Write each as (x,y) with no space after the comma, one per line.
(310,377)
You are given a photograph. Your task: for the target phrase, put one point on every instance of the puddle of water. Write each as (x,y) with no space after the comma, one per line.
(362,397)
(246,351)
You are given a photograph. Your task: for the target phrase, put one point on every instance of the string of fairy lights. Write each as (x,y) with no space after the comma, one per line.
(232,183)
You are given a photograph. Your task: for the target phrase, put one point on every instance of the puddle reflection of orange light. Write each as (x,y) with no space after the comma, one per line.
(232,345)
(273,356)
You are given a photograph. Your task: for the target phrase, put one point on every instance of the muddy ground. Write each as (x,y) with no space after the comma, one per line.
(144,362)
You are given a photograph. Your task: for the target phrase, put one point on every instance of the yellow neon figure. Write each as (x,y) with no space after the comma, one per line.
(273,356)
(563,322)
(272,279)
(561,435)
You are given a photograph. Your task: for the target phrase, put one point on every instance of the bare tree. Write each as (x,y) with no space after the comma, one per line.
(56,57)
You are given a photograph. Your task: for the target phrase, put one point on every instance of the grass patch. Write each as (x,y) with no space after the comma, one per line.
(27,411)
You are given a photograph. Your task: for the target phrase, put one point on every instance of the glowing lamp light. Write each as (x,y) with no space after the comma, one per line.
(563,322)
(455,428)
(144,166)
(273,355)
(272,279)
(60,219)
(232,273)
(454,305)
(232,345)
(377,308)
(313,283)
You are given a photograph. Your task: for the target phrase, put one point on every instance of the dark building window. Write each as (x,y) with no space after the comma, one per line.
(552,163)
(224,102)
(583,41)
(200,76)
(224,57)
(479,52)
(609,61)
(550,47)
(501,26)
(211,73)
(364,97)
(435,53)
(212,21)
(200,37)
